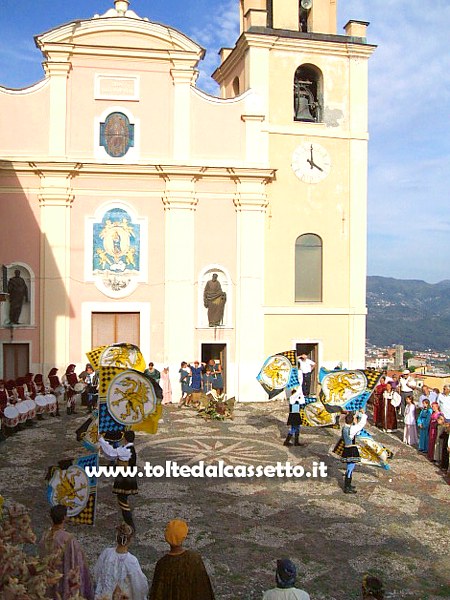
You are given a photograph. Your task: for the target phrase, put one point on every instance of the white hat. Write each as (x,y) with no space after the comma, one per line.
(406,372)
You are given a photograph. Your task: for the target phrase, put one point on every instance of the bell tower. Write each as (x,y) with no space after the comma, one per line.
(307,92)
(318,16)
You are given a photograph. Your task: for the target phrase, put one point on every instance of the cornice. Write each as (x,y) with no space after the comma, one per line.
(336,46)
(167,171)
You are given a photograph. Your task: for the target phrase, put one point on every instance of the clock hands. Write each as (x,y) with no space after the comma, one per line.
(311,162)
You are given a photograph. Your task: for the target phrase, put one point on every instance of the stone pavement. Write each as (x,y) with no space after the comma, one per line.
(397,526)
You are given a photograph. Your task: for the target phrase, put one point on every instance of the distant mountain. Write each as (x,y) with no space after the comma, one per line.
(409,312)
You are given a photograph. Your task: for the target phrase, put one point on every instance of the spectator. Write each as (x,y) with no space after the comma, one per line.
(180,574)
(285,577)
(441,429)
(445,448)
(423,424)
(152,373)
(117,568)
(406,386)
(166,386)
(72,556)
(196,373)
(444,403)
(427,394)
(432,431)
(306,366)
(410,431)
(372,588)
(185,380)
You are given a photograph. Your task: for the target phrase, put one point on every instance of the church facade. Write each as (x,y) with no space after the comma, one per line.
(141,209)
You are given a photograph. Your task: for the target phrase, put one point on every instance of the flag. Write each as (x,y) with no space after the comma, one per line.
(371,452)
(70,485)
(347,389)
(122,356)
(278,372)
(150,423)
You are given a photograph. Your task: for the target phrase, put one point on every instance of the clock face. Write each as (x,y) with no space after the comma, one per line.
(311,162)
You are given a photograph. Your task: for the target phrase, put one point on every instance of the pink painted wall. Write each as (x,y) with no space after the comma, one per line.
(153,109)
(29,112)
(20,242)
(217,129)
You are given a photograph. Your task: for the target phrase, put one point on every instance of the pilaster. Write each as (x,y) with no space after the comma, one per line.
(251,204)
(55,200)
(183,77)
(58,73)
(179,312)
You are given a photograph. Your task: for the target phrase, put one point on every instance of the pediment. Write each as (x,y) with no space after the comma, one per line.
(118,32)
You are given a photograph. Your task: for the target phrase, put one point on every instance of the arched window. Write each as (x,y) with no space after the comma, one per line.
(236,86)
(308,94)
(116,134)
(308,268)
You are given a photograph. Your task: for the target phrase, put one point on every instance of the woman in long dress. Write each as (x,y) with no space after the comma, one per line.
(410,431)
(387,416)
(166,386)
(377,395)
(72,558)
(423,423)
(116,569)
(432,430)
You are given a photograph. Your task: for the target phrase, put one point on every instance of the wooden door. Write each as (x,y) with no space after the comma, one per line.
(112,328)
(16,360)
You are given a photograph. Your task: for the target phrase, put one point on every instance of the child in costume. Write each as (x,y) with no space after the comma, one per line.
(296,402)
(354,423)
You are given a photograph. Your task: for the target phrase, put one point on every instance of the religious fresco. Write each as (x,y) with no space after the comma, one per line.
(116,249)
(116,134)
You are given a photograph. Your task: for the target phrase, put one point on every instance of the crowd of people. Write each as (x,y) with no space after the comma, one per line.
(424,414)
(178,575)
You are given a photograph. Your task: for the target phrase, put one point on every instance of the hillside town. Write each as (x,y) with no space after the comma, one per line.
(428,363)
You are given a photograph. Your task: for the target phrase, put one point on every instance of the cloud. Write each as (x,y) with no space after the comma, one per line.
(221,30)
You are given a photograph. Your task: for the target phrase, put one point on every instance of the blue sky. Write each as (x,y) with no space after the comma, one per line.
(409,151)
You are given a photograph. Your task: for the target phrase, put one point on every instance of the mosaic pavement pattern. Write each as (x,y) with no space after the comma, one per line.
(397,526)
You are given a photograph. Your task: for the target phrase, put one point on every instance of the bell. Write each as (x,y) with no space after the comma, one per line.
(302,109)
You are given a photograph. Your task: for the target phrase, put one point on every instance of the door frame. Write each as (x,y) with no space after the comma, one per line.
(318,348)
(224,367)
(143,308)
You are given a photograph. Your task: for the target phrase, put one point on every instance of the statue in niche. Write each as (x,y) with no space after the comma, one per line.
(214,299)
(18,294)
(305,105)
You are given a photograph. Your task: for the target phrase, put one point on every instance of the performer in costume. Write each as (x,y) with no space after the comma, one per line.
(92,381)
(125,456)
(57,388)
(354,423)
(39,383)
(118,568)
(296,401)
(180,574)
(432,429)
(72,557)
(377,397)
(70,379)
(387,414)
